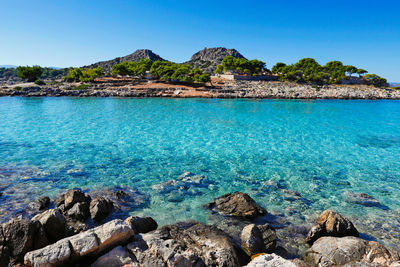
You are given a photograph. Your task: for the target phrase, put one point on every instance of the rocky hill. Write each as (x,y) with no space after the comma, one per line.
(136,56)
(208,58)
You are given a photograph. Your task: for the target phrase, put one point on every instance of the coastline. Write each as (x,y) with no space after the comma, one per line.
(238,89)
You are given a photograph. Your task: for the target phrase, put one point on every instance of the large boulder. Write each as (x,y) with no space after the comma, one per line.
(258,239)
(54,224)
(79,212)
(331,223)
(349,251)
(100,208)
(237,204)
(87,245)
(19,236)
(141,224)
(187,244)
(270,260)
(73,196)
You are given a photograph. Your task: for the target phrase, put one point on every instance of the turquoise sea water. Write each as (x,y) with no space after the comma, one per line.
(321,149)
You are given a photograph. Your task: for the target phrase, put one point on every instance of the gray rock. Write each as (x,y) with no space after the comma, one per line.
(269,237)
(237,204)
(54,224)
(18,237)
(349,251)
(270,260)
(331,223)
(252,241)
(117,257)
(187,244)
(41,203)
(100,208)
(141,224)
(91,243)
(73,196)
(79,212)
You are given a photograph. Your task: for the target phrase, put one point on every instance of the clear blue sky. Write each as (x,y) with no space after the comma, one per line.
(78,32)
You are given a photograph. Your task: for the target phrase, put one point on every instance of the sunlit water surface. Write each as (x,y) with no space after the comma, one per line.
(321,149)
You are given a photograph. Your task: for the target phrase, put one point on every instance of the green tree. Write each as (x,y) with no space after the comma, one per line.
(361,72)
(375,80)
(29,73)
(219,69)
(277,68)
(351,69)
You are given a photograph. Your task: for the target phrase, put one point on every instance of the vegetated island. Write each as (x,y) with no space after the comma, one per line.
(210,73)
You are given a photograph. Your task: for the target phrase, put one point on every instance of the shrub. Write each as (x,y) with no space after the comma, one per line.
(82,86)
(79,75)
(29,73)
(40,82)
(17,88)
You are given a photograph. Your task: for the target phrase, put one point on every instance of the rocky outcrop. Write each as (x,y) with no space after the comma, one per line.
(331,223)
(135,56)
(73,196)
(208,58)
(258,239)
(141,224)
(17,237)
(78,248)
(349,251)
(54,224)
(119,256)
(237,204)
(187,244)
(100,208)
(270,260)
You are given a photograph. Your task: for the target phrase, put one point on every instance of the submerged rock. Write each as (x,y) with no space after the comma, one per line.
(187,244)
(237,204)
(331,223)
(349,251)
(361,198)
(187,184)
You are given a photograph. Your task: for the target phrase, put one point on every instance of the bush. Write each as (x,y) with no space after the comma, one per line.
(29,73)
(17,88)
(375,80)
(396,88)
(40,82)
(82,86)
(79,75)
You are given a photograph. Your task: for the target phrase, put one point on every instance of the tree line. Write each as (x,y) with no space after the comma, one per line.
(231,64)
(308,70)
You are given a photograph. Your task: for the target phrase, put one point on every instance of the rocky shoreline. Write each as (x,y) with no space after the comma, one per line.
(234,89)
(78,229)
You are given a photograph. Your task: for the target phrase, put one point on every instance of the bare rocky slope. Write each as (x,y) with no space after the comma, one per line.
(135,56)
(208,58)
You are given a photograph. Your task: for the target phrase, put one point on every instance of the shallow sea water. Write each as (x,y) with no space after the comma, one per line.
(320,149)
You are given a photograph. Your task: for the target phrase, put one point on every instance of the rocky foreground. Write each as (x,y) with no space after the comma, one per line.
(77,229)
(233,89)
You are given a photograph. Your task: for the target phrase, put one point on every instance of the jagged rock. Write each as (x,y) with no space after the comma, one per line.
(237,204)
(19,236)
(100,208)
(187,244)
(136,56)
(252,241)
(141,224)
(60,200)
(331,223)
(117,257)
(91,243)
(73,196)
(270,260)
(40,204)
(349,251)
(79,212)
(258,239)
(268,236)
(208,58)
(361,198)
(54,224)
